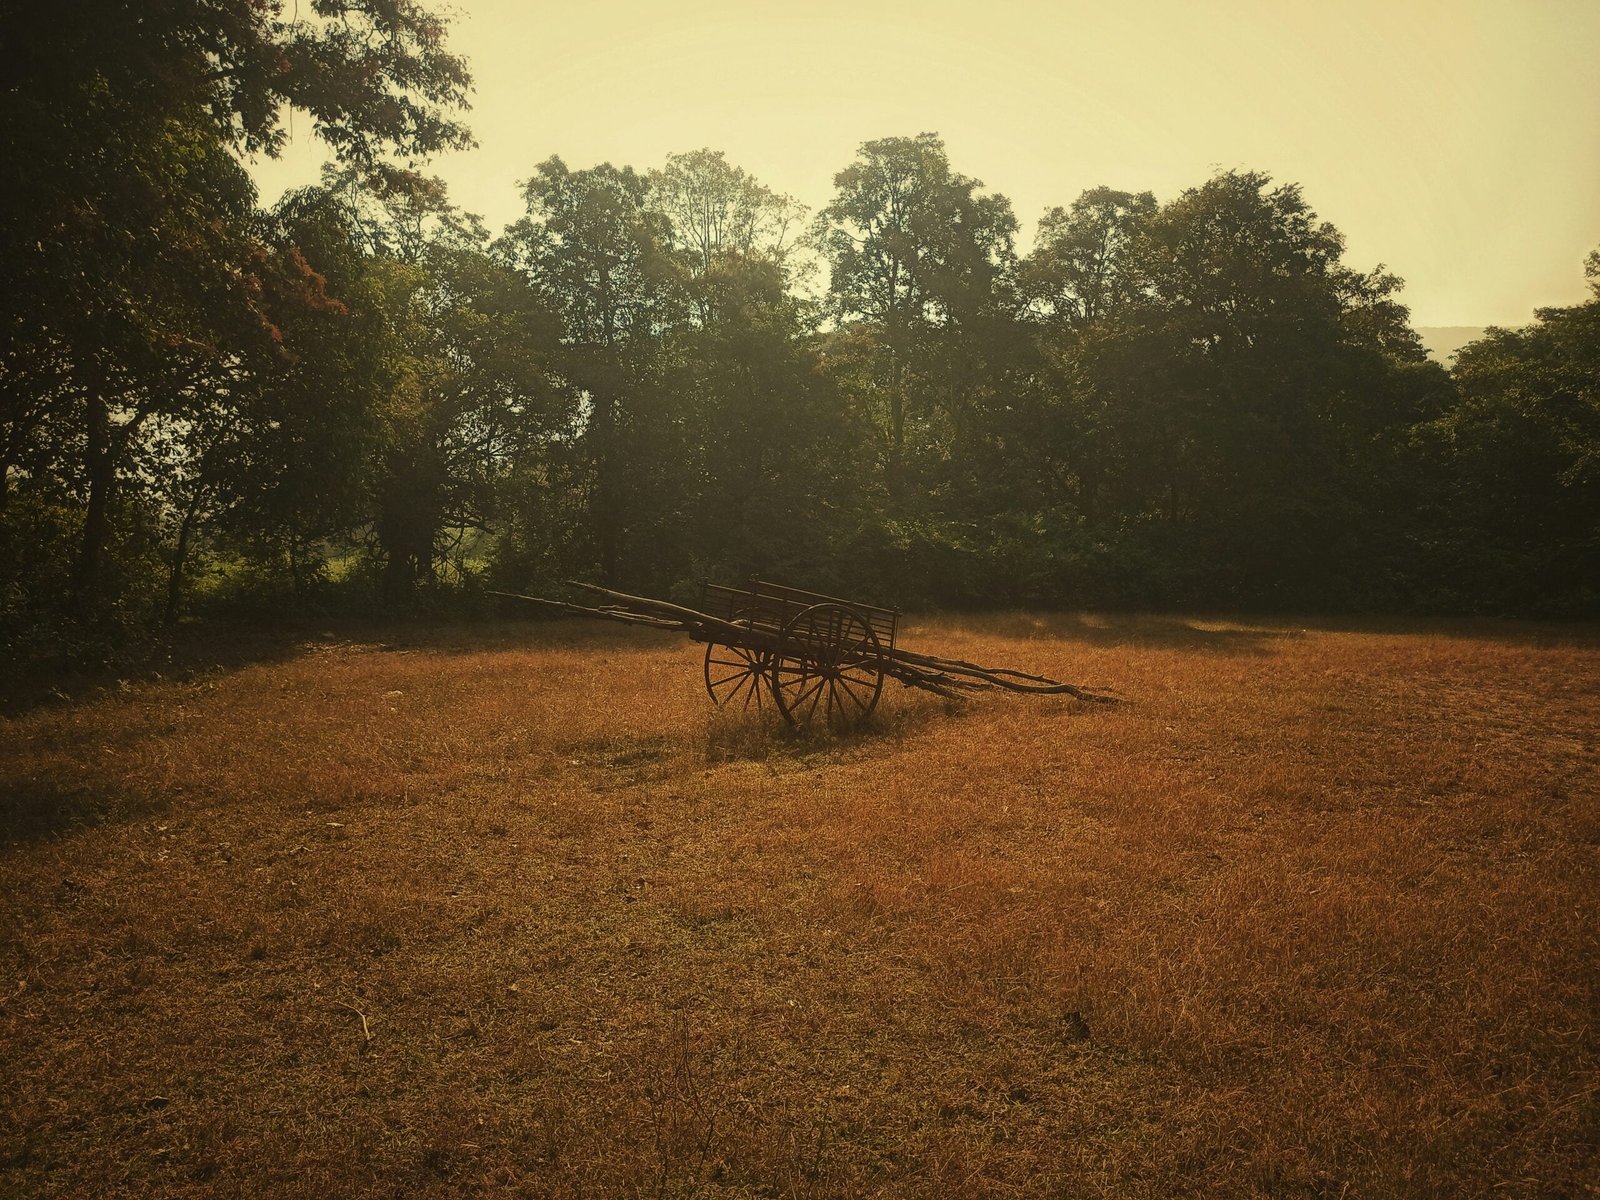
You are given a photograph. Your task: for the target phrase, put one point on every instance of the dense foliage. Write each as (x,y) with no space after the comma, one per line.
(660,376)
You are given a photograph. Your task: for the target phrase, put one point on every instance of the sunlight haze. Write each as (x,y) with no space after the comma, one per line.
(1457,143)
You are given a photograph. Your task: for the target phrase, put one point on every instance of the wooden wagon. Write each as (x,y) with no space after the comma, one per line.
(811,655)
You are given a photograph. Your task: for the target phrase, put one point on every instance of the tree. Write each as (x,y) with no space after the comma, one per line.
(1284,376)
(599,256)
(125,232)
(1083,295)
(1513,519)
(715,208)
(160,289)
(375,77)
(457,361)
(281,466)
(1084,268)
(1217,405)
(772,450)
(915,253)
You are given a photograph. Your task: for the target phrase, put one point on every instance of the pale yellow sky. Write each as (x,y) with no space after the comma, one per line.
(1457,142)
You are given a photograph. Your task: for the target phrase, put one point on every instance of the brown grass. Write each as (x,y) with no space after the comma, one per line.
(513,912)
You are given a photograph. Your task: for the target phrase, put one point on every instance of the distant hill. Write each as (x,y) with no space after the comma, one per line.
(1442,341)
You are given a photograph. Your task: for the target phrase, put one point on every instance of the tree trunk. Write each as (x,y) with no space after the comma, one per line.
(894,482)
(608,464)
(101,469)
(409,515)
(180,557)
(608,515)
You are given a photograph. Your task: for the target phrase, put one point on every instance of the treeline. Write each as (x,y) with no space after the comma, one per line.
(655,377)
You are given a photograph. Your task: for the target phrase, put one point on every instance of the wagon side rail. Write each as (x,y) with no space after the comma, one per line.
(770,606)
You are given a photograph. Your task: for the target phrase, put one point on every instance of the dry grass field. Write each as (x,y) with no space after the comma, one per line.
(511,911)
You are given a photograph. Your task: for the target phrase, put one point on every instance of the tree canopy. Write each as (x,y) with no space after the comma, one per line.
(363,392)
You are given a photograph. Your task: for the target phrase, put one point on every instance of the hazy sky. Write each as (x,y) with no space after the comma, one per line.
(1456,141)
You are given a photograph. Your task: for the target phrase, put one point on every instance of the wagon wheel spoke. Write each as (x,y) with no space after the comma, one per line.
(859,699)
(866,680)
(808,699)
(813,690)
(739,686)
(795,689)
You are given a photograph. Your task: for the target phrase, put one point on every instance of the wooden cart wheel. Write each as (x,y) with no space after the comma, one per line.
(735,674)
(829,661)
